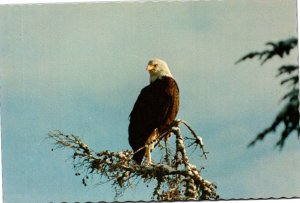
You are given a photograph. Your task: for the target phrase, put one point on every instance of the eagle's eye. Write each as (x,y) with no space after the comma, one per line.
(155,65)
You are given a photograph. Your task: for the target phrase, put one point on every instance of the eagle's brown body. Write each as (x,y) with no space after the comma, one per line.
(156,108)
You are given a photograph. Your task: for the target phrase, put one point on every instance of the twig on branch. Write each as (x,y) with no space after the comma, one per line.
(197,139)
(175,177)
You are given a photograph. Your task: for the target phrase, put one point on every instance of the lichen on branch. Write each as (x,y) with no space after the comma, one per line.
(174,177)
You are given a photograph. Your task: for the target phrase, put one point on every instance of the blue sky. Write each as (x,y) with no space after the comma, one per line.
(79,68)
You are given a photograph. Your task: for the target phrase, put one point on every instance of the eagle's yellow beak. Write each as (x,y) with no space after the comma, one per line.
(150,68)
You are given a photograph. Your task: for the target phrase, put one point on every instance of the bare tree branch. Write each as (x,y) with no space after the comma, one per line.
(174,177)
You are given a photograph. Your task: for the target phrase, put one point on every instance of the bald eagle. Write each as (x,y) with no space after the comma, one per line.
(154,110)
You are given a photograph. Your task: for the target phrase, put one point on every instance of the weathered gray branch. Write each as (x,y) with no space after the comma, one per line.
(175,177)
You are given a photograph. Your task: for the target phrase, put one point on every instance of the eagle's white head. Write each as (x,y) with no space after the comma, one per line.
(157,69)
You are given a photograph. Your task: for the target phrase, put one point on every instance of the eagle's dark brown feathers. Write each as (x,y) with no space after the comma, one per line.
(156,107)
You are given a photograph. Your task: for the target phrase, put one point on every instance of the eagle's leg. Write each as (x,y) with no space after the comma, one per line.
(148,155)
(149,146)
